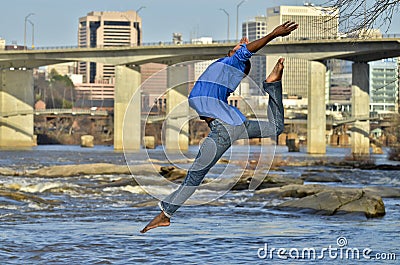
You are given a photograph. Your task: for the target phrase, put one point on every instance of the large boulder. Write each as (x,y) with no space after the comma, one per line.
(173,174)
(87,141)
(293,191)
(7,172)
(115,183)
(300,191)
(269,181)
(384,192)
(338,200)
(150,142)
(177,175)
(25,197)
(95,169)
(319,177)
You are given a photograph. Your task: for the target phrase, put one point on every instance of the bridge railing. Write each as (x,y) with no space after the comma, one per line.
(160,43)
(92,112)
(170,43)
(56,112)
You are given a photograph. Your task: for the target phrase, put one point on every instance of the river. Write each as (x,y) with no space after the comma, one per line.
(89,225)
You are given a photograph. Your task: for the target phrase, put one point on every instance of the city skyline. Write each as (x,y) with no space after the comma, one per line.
(192,19)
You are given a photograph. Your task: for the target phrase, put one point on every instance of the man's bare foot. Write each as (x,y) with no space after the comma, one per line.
(277,72)
(159,220)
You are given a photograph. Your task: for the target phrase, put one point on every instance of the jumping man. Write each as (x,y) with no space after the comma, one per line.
(227,124)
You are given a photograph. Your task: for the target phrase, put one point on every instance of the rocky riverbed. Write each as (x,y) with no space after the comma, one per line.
(309,198)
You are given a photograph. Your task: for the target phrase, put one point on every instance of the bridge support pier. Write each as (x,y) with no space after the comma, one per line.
(16,108)
(316,119)
(360,108)
(177,123)
(127,130)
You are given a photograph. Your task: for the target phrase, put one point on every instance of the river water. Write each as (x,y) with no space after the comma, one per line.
(89,225)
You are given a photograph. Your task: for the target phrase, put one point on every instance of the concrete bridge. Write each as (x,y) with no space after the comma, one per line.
(16,84)
(72,112)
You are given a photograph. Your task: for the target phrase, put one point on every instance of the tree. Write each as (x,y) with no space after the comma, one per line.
(357,16)
(57,92)
(394,152)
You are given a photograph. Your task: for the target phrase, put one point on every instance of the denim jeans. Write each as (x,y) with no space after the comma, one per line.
(220,139)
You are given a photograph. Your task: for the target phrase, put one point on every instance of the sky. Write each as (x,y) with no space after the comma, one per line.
(56,21)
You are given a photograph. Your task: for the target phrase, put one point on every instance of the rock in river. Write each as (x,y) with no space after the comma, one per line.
(95,169)
(271,180)
(312,177)
(338,200)
(293,191)
(7,172)
(20,196)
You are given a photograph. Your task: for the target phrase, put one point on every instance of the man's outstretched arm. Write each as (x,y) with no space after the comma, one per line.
(281,31)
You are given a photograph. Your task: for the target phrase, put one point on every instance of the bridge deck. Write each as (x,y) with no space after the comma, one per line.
(363,50)
(55,112)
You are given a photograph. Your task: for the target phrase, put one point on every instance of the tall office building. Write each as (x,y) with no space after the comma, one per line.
(315,23)
(384,76)
(255,29)
(154,85)
(339,95)
(107,29)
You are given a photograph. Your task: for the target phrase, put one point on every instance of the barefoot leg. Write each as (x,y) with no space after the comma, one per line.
(159,220)
(276,73)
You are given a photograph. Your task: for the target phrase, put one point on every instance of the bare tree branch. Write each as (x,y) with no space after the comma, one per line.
(360,17)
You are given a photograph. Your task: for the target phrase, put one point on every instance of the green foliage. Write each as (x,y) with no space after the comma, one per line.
(394,152)
(63,79)
(37,97)
(67,104)
(55,103)
(57,92)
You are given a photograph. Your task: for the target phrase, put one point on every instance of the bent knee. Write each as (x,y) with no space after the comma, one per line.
(279,129)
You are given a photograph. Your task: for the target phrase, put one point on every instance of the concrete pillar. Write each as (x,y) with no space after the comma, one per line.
(177,122)
(360,108)
(334,140)
(282,139)
(16,108)
(316,120)
(343,140)
(127,110)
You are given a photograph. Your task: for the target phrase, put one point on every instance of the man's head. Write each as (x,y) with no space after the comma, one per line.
(231,52)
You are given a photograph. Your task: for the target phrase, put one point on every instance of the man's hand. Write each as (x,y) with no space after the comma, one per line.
(244,40)
(280,31)
(285,29)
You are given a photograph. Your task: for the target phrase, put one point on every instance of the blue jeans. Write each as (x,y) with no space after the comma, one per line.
(220,139)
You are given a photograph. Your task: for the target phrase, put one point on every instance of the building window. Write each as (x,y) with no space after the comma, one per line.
(93,68)
(93,33)
(117,23)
